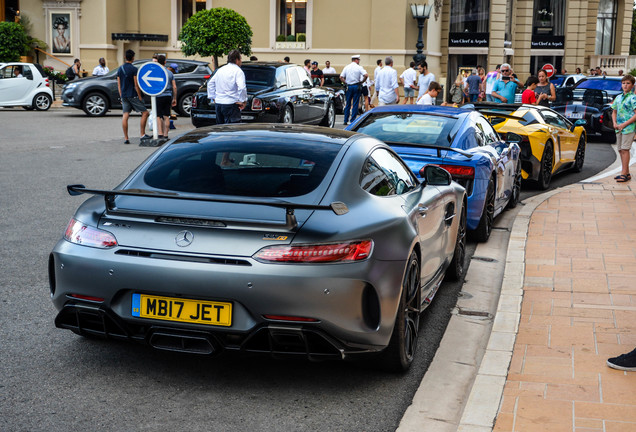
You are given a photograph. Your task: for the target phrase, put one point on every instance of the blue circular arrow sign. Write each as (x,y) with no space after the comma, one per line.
(152,78)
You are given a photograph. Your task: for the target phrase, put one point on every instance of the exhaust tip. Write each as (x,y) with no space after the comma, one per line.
(181,343)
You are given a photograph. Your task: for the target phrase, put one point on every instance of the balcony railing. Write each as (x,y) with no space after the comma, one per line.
(610,64)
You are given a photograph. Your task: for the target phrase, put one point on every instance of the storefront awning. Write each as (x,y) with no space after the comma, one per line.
(140,37)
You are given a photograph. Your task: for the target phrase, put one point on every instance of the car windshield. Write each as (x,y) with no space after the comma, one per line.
(600,84)
(409,128)
(242,167)
(259,77)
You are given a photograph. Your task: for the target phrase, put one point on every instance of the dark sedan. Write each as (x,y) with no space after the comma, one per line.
(97,95)
(276,239)
(276,93)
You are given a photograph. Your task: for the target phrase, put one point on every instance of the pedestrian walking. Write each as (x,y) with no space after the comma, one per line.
(386,84)
(328,69)
(408,78)
(624,362)
(353,75)
(623,118)
(130,95)
(424,80)
(430,96)
(545,91)
(101,69)
(73,72)
(165,101)
(504,89)
(228,91)
(473,86)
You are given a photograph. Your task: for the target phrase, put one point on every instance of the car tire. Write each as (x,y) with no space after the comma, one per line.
(329,120)
(483,230)
(545,172)
(361,107)
(579,159)
(456,269)
(515,195)
(42,102)
(184,106)
(399,354)
(95,105)
(288,115)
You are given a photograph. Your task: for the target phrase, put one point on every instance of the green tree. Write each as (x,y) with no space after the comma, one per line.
(215,32)
(14,41)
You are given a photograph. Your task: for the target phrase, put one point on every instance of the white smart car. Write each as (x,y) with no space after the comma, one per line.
(24,84)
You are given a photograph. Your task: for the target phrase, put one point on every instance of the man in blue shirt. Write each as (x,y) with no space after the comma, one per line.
(130,94)
(505,89)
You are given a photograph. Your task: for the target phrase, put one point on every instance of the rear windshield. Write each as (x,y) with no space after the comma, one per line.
(600,84)
(259,77)
(249,169)
(409,128)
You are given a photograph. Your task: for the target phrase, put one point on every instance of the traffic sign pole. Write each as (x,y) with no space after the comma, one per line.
(153,106)
(152,79)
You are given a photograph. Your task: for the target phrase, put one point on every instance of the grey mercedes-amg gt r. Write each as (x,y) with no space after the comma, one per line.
(287,240)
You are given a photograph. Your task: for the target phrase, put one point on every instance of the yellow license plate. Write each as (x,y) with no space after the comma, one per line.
(182,310)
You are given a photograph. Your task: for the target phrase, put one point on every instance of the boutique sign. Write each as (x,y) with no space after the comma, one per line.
(478,40)
(547,42)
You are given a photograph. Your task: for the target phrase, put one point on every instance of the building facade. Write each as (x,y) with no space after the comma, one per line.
(458,34)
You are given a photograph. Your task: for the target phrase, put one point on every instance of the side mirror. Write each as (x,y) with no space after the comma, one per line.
(436,176)
(307,84)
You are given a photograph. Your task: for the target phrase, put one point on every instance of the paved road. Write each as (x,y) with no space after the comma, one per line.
(53,380)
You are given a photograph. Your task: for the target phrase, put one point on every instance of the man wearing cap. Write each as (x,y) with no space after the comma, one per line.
(353,75)
(317,77)
(101,68)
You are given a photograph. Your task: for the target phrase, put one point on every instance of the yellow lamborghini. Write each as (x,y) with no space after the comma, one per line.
(549,142)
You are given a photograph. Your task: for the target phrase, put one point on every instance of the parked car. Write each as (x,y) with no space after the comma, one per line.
(592,105)
(549,142)
(276,93)
(333,82)
(31,90)
(570,80)
(460,141)
(97,95)
(285,240)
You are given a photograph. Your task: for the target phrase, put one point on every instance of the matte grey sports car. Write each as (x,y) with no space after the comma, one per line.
(288,240)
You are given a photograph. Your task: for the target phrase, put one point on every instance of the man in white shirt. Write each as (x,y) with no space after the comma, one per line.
(353,75)
(408,78)
(430,96)
(386,84)
(328,68)
(101,68)
(424,79)
(227,90)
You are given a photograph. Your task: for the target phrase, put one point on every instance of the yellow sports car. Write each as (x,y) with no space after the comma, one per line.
(549,142)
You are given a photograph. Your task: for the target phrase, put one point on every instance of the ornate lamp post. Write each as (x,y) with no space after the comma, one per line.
(420,13)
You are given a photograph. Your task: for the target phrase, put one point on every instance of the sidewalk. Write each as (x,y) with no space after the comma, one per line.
(578,309)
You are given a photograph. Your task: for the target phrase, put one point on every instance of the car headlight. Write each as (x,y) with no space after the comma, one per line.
(70,86)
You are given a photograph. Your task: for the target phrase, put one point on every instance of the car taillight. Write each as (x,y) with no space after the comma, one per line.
(89,298)
(194,101)
(206,76)
(81,234)
(456,171)
(46,80)
(257,104)
(317,253)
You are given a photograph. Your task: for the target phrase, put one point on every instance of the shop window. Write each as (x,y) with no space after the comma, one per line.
(190,7)
(549,17)
(292,20)
(470,16)
(605,27)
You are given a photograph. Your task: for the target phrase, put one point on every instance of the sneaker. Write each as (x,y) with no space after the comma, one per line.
(624,362)
(127,142)
(146,137)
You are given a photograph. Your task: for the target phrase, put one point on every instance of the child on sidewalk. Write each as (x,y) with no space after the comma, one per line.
(623,118)
(528,96)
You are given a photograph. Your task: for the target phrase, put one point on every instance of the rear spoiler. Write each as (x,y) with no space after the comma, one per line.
(499,114)
(435,147)
(337,207)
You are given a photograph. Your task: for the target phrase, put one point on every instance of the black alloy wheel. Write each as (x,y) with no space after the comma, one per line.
(456,269)
(398,356)
(483,230)
(545,173)
(288,115)
(579,159)
(95,105)
(515,194)
(329,120)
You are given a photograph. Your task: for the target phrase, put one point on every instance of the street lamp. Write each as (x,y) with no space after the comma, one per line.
(420,13)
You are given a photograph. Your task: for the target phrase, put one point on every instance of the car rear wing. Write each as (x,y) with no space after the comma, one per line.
(290,223)
(434,147)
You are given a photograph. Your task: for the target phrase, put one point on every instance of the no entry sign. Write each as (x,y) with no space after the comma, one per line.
(549,69)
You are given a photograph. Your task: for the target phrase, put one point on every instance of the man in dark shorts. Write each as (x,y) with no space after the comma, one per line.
(165,101)
(130,94)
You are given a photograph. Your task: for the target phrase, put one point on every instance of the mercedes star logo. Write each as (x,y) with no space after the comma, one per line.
(184,238)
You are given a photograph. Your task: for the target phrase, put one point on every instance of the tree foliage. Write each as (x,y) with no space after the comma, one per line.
(14,41)
(215,32)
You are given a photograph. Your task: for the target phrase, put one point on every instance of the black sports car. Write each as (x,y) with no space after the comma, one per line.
(276,93)
(97,95)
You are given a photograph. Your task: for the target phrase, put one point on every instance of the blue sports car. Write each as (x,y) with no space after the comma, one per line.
(461,141)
